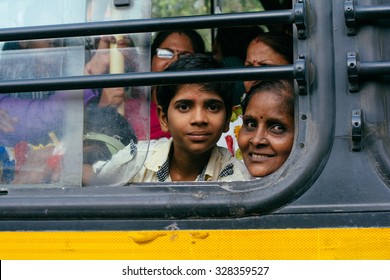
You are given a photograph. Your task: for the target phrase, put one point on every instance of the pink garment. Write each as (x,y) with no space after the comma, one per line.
(135,114)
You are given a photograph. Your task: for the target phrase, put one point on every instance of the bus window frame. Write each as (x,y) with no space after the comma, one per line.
(188,199)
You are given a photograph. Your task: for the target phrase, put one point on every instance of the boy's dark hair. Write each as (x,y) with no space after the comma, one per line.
(195,62)
(105,132)
(280,42)
(284,88)
(196,40)
(234,41)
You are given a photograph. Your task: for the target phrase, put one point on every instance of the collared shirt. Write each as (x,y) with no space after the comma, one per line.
(125,168)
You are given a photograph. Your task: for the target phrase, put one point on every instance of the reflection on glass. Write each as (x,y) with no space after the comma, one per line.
(38,128)
(33,124)
(115,117)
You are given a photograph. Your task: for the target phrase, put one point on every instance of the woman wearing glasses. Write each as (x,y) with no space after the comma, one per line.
(167,47)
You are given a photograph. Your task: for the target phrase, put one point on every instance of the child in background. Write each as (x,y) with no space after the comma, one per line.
(105,133)
(229,49)
(195,115)
(267,134)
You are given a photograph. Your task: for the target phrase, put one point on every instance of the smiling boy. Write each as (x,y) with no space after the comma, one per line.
(195,115)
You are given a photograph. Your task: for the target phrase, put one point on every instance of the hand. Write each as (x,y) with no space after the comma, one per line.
(100,62)
(7,122)
(112,97)
(125,43)
(35,169)
(88,175)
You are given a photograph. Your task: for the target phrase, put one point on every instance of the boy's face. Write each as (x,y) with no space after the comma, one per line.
(196,119)
(267,133)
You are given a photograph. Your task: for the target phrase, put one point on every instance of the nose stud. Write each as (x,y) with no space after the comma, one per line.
(262,141)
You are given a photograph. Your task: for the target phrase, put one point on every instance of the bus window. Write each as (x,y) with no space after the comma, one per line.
(104,56)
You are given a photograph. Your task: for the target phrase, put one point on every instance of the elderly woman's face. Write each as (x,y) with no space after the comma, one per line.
(260,54)
(267,134)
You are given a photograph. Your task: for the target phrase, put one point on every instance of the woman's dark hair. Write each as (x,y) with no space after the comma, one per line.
(280,42)
(233,41)
(195,62)
(196,40)
(284,88)
(106,122)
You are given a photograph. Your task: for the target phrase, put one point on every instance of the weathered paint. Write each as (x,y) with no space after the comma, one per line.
(278,244)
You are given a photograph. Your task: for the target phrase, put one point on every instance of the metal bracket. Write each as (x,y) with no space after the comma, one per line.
(359,71)
(359,14)
(3,191)
(300,74)
(300,18)
(122,3)
(349,14)
(353,71)
(356,138)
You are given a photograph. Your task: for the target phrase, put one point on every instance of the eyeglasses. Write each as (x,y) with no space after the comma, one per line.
(169,54)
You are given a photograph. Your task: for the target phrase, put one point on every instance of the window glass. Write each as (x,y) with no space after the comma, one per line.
(38,143)
(116,117)
(41,136)
(175,8)
(227,6)
(86,126)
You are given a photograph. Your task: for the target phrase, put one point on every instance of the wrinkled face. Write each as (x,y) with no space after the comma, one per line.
(267,133)
(260,54)
(196,120)
(179,44)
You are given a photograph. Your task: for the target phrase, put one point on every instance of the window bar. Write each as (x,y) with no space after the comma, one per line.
(364,69)
(355,14)
(289,16)
(150,78)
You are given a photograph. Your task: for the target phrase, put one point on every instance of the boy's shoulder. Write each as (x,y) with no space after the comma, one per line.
(223,166)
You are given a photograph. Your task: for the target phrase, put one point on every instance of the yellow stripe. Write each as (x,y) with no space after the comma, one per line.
(281,244)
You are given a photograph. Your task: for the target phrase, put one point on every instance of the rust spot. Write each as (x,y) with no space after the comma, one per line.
(146,238)
(199,235)
(174,237)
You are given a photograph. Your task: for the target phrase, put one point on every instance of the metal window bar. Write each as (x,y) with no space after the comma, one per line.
(296,15)
(355,14)
(147,25)
(358,70)
(147,78)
